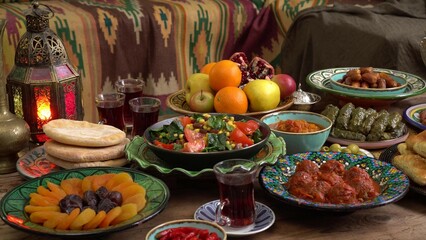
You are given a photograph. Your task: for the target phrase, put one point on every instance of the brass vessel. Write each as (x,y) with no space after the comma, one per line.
(14,132)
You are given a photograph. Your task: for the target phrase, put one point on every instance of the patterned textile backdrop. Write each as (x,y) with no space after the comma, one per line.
(159,41)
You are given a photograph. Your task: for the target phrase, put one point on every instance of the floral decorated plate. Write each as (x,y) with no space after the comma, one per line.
(137,151)
(321,80)
(394,183)
(34,164)
(13,203)
(388,155)
(177,103)
(412,115)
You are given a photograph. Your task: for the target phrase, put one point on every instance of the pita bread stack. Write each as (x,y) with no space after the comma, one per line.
(76,144)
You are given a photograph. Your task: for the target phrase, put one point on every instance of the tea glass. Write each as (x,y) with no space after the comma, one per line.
(145,111)
(110,109)
(236,209)
(132,88)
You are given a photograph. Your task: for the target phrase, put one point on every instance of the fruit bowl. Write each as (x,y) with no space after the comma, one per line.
(177,103)
(202,160)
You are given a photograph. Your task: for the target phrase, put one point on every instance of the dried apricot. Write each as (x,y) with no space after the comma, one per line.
(118,179)
(64,225)
(56,189)
(100,180)
(131,190)
(31,208)
(86,184)
(39,200)
(47,193)
(127,211)
(84,217)
(138,199)
(94,223)
(111,215)
(54,220)
(40,217)
(72,186)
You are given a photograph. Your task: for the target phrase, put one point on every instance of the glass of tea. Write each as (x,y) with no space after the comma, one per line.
(132,88)
(236,208)
(110,109)
(145,112)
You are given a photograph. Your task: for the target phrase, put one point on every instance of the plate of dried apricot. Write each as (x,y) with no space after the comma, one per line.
(84,202)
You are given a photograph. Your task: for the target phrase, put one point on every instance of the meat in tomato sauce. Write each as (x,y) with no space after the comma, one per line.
(331,183)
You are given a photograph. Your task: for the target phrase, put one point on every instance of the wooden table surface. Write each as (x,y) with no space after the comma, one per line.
(404,219)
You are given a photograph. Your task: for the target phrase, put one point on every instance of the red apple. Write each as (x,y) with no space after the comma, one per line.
(202,101)
(286,83)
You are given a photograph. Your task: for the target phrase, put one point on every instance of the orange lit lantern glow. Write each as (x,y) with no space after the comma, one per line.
(43,84)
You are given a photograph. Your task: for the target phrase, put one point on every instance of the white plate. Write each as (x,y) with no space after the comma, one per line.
(265,217)
(34,164)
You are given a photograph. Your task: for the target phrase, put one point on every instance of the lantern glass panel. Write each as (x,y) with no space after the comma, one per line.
(42,96)
(17,101)
(63,72)
(70,101)
(40,74)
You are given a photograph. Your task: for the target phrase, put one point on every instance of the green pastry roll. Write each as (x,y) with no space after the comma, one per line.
(342,120)
(357,118)
(331,112)
(345,134)
(368,123)
(381,122)
(394,119)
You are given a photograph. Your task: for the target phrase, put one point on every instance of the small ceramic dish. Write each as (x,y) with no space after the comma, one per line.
(393,183)
(300,142)
(412,115)
(202,160)
(187,223)
(34,164)
(176,101)
(372,91)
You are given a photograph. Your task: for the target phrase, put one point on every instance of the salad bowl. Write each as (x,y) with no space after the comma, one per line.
(204,159)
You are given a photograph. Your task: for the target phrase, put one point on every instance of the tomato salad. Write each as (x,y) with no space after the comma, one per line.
(206,133)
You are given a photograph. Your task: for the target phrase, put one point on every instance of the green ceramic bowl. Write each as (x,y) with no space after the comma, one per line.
(300,142)
(369,91)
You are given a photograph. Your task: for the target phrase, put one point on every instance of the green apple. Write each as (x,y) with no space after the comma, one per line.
(195,83)
(262,94)
(202,101)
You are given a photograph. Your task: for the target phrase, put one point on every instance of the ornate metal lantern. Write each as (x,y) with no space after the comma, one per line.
(43,85)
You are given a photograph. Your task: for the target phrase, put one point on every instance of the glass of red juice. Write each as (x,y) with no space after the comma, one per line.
(132,88)
(145,112)
(110,109)
(235,178)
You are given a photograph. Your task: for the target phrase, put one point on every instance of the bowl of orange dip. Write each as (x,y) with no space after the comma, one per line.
(302,131)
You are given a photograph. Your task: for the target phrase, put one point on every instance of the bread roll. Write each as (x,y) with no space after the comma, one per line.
(403,149)
(415,138)
(420,148)
(413,165)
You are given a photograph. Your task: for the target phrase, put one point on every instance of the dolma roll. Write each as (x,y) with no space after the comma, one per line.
(357,118)
(399,130)
(374,136)
(381,122)
(331,112)
(345,134)
(342,120)
(394,119)
(368,123)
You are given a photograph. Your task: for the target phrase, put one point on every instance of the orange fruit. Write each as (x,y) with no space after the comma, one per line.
(231,100)
(206,68)
(225,73)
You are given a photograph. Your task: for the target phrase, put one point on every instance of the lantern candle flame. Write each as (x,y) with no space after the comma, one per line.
(43,108)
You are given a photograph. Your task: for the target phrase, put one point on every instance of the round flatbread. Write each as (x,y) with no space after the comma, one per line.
(78,154)
(70,165)
(82,133)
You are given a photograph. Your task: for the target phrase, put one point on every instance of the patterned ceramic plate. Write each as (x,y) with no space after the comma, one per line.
(321,81)
(137,150)
(388,155)
(394,183)
(34,164)
(13,203)
(265,218)
(369,145)
(412,115)
(177,103)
